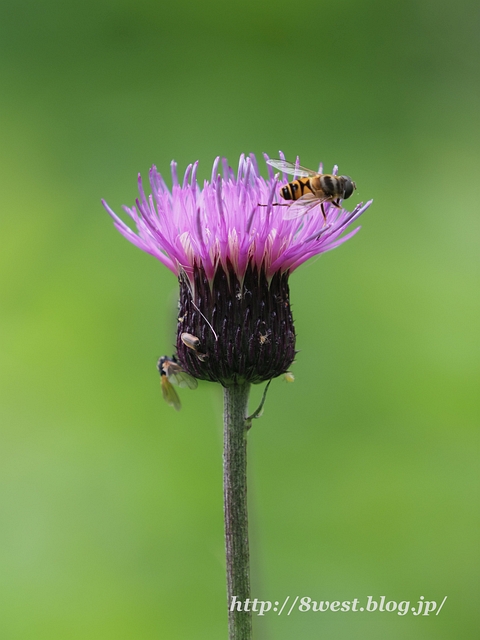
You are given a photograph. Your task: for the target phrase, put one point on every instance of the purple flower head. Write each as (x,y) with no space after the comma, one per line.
(232,248)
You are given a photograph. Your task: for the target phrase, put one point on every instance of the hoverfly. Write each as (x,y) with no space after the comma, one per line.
(172,373)
(312,188)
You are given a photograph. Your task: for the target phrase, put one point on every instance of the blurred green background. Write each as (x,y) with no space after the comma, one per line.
(363,473)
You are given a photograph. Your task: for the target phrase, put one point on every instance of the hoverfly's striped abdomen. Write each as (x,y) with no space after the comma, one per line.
(298,188)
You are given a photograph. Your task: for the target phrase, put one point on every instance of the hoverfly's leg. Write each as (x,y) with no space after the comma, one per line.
(275,204)
(323,211)
(336,203)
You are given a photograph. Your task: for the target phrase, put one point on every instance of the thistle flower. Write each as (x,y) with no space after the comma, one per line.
(232,250)
(232,247)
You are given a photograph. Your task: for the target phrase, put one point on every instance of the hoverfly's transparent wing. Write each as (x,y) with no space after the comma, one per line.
(176,375)
(303,205)
(184,380)
(292,168)
(169,394)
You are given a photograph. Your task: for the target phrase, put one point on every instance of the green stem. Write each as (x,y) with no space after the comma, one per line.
(235,507)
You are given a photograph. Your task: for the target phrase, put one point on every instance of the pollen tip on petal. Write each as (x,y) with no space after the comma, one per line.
(173,169)
(253,159)
(186,177)
(110,211)
(362,208)
(194,173)
(247,170)
(215,168)
(240,166)
(225,169)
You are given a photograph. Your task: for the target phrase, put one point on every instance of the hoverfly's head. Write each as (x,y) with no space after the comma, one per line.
(348,186)
(160,363)
(163,362)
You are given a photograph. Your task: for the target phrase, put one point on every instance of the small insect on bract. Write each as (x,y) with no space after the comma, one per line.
(172,373)
(193,343)
(264,338)
(312,188)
